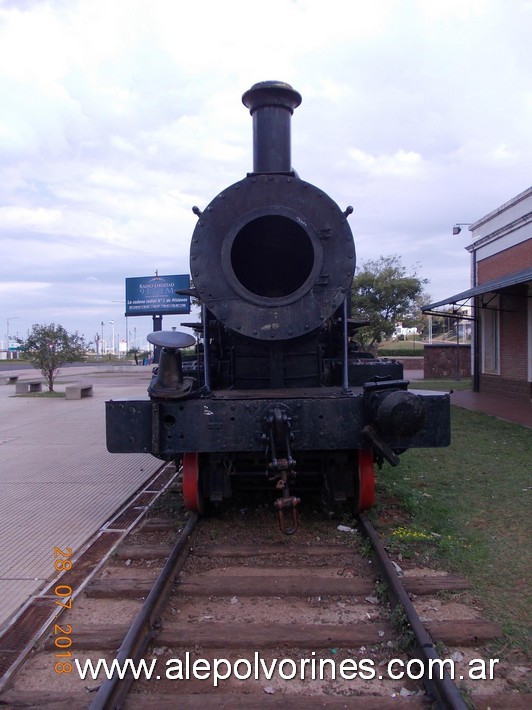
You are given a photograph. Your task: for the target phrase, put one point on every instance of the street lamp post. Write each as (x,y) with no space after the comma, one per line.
(456,230)
(102,341)
(111,322)
(127,332)
(7,332)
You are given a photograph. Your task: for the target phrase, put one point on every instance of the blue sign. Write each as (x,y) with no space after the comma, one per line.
(156,295)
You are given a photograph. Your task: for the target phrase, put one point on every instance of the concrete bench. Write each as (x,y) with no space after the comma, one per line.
(9,379)
(26,387)
(78,391)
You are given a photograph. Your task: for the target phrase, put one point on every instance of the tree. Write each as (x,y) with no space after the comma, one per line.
(48,347)
(384,293)
(135,352)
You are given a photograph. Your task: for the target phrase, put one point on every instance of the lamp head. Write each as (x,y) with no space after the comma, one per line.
(168,381)
(458,227)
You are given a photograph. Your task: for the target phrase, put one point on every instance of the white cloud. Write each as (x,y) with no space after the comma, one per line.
(113,180)
(33,287)
(118,116)
(28,217)
(402,164)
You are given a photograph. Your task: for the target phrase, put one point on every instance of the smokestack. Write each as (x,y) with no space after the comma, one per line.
(271,103)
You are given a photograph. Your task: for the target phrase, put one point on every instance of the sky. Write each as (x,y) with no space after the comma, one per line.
(118,116)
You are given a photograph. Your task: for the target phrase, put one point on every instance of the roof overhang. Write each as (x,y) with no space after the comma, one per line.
(494,286)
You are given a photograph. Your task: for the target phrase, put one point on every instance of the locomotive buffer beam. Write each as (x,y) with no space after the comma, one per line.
(235,421)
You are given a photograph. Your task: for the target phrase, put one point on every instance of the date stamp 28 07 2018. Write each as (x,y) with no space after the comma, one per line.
(63,592)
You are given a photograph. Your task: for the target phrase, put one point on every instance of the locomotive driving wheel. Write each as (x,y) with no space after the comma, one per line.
(192,495)
(364,481)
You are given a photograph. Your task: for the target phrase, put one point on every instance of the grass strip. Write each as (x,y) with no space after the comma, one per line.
(467,509)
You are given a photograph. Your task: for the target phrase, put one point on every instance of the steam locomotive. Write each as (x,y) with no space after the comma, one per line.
(279,396)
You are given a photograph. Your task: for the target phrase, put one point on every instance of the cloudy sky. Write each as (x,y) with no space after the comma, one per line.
(117,116)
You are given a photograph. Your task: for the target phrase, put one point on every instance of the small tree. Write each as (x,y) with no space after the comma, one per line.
(135,352)
(384,293)
(50,346)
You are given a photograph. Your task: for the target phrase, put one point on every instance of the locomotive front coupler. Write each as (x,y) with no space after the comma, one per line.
(278,425)
(288,524)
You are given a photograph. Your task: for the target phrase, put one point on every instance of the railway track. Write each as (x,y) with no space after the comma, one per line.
(275,616)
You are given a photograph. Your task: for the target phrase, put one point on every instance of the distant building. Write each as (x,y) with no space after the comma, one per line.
(401,330)
(501,299)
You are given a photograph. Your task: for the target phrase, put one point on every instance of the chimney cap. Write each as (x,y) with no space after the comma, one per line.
(271,93)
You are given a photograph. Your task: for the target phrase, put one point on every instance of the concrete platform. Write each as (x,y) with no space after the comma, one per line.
(58,483)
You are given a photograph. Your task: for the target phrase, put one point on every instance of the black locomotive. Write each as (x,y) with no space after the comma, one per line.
(279,395)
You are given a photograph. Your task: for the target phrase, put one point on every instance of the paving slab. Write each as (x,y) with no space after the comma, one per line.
(58,483)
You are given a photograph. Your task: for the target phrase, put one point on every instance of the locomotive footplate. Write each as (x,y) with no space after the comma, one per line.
(234,421)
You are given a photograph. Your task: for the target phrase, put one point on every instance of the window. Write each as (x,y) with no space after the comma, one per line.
(490,336)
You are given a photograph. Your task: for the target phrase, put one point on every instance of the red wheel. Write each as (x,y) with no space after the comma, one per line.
(192,496)
(365,483)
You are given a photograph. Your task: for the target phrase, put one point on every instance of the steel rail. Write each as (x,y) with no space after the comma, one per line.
(113,691)
(440,687)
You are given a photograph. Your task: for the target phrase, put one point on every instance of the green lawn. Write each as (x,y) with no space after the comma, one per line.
(467,508)
(411,344)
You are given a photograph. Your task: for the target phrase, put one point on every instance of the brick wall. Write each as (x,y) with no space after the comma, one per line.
(517,389)
(505,262)
(410,363)
(514,334)
(443,361)
(512,380)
